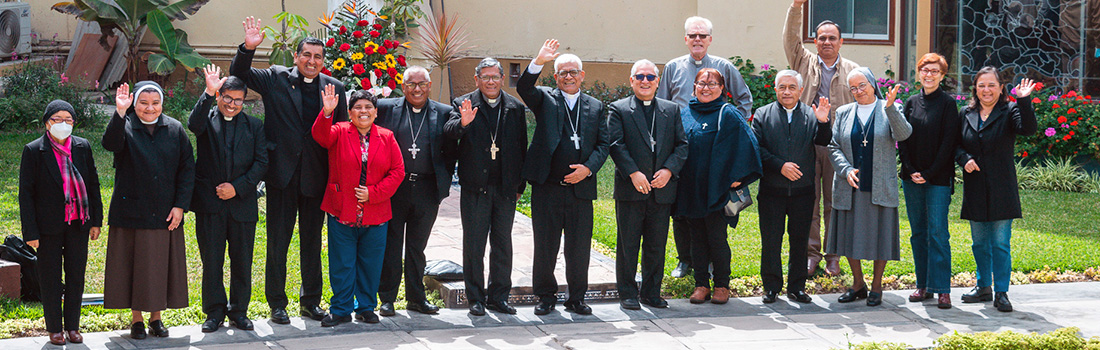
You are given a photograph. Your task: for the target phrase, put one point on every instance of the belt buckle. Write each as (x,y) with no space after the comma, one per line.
(413,176)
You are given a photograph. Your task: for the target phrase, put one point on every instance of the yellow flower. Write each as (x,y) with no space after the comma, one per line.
(356,56)
(339,64)
(399,78)
(380,65)
(390,61)
(372,45)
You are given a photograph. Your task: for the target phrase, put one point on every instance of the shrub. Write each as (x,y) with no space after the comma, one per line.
(180,98)
(1069,125)
(1053,175)
(1062,338)
(759,83)
(30,86)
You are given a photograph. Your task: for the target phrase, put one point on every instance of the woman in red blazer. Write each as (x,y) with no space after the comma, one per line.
(365,169)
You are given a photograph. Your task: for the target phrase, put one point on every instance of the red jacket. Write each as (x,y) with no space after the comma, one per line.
(385,170)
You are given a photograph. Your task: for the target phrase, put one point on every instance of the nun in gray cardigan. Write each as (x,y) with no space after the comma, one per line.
(864,224)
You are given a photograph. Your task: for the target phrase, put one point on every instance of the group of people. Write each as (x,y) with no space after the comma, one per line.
(377,169)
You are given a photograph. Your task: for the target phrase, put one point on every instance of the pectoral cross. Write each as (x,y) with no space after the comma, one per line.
(414,150)
(864,143)
(576,140)
(652,143)
(704,125)
(493,150)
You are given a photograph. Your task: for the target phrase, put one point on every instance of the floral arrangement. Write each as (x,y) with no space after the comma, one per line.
(360,53)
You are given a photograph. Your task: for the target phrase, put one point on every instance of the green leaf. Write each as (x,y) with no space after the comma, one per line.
(162,28)
(192,60)
(282,56)
(136,10)
(181,9)
(161,64)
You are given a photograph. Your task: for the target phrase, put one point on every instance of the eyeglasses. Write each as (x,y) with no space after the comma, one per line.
(930,71)
(647,77)
(422,85)
(860,87)
(491,78)
(707,85)
(569,73)
(697,36)
(230,100)
(62,120)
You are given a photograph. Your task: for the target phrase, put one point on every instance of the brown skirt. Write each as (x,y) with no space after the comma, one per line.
(146,269)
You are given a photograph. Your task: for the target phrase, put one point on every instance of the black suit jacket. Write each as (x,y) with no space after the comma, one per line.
(247,163)
(290,143)
(630,146)
(391,115)
(781,142)
(549,107)
(41,197)
(473,152)
(992,193)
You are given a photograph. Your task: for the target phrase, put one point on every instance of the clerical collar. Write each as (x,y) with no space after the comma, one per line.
(492,101)
(699,62)
(307,80)
(228,119)
(790,111)
(647,103)
(569,96)
(416,110)
(149,123)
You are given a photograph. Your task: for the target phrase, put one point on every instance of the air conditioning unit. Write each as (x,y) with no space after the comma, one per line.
(15,28)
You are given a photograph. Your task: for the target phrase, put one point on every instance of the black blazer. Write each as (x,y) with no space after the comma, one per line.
(41,197)
(153,173)
(549,108)
(475,139)
(630,146)
(781,142)
(247,164)
(992,193)
(391,114)
(289,141)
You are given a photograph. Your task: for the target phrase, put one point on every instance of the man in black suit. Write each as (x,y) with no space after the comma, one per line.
(417,123)
(232,157)
(569,147)
(787,131)
(298,166)
(492,131)
(649,148)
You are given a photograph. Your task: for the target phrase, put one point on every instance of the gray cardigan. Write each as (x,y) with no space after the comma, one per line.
(884,184)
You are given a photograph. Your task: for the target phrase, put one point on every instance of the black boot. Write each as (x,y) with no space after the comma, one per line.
(978,294)
(1001,302)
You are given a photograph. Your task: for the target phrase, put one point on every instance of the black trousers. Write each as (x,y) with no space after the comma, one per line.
(213,231)
(555,210)
(64,251)
(283,205)
(797,212)
(681,235)
(487,217)
(642,225)
(710,247)
(415,206)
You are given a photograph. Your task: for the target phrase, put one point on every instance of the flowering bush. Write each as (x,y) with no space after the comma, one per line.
(1069,125)
(30,86)
(360,52)
(759,82)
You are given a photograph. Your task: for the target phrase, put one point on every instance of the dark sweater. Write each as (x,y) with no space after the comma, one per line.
(931,147)
(782,142)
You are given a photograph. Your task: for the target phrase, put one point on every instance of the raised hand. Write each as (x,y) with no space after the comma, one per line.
(548,52)
(330,100)
(1025,88)
(467,113)
(822,110)
(892,95)
(253,33)
(213,82)
(123,99)
(799,3)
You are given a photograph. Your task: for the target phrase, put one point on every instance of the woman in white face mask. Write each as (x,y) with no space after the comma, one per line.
(60,209)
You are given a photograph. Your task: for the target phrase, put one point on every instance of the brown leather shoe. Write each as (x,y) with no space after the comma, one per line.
(721,295)
(57,338)
(919,295)
(74,337)
(811,266)
(944,301)
(700,295)
(832,267)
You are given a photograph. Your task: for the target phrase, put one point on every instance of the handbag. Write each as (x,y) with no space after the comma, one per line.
(738,201)
(443,270)
(17,251)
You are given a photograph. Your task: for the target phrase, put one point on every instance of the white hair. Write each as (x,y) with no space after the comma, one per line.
(696,19)
(644,63)
(414,68)
(568,58)
(788,73)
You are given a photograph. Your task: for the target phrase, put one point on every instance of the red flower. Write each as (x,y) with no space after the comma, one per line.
(362,23)
(1067,137)
(344,47)
(369,50)
(1038,86)
(365,84)
(377,26)
(1036,100)
(1062,119)
(378,72)
(1074,123)
(382,50)
(375,34)
(343,30)
(392,84)
(392,72)
(1023,154)
(330,42)
(325,71)
(358,69)
(1056,106)
(767,85)
(394,44)
(1071,111)
(401,60)
(1088,97)
(1071,133)
(1071,93)
(357,34)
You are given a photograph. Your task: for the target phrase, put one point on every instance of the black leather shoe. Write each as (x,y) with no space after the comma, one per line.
(367,317)
(241,322)
(501,307)
(330,320)
(656,302)
(1001,302)
(630,304)
(423,307)
(279,316)
(978,294)
(853,295)
(799,296)
(578,307)
(682,270)
(157,329)
(477,308)
(544,307)
(314,312)
(137,330)
(386,309)
(874,298)
(769,296)
(211,325)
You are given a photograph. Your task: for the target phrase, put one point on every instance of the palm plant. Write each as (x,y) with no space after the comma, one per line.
(445,40)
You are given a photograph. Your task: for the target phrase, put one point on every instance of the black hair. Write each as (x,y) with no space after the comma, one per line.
(974,103)
(362,95)
(309,40)
(233,84)
(827,23)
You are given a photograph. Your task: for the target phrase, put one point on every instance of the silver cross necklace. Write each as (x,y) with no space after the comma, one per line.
(414,150)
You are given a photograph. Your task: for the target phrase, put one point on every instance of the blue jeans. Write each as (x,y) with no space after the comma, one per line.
(992,252)
(927,206)
(354,266)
